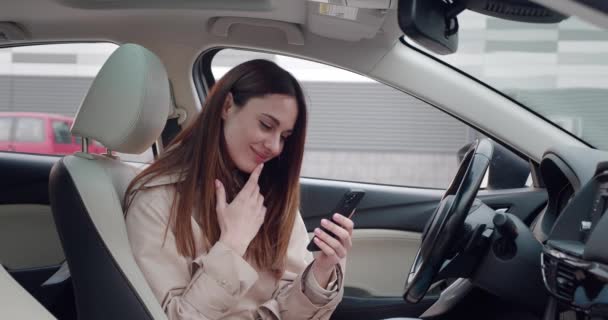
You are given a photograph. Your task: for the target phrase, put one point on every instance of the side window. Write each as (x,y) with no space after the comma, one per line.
(49,82)
(61,132)
(6,125)
(29,130)
(365,131)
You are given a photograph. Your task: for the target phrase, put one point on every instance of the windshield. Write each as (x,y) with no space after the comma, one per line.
(559,71)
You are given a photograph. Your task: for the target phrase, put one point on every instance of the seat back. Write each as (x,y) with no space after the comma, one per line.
(125,109)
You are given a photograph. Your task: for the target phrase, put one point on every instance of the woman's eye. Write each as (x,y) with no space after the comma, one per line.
(264,125)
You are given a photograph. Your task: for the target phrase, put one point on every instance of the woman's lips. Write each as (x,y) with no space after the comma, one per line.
(259,158)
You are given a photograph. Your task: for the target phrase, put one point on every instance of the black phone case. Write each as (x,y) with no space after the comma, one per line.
(345,207)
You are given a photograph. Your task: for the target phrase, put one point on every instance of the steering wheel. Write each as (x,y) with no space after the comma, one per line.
(447,223)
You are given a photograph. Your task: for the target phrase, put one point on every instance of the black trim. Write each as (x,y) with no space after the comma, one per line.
(171,130)
(202,66)
(407,44)
(25,178)
(101,289)
(352,307)
(154,150)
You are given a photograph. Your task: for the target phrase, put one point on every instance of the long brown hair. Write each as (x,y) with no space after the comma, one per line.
(198,155)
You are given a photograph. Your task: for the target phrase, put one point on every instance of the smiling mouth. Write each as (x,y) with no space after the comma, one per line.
(259,157)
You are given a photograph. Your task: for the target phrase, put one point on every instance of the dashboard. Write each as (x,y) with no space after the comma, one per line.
(574,228)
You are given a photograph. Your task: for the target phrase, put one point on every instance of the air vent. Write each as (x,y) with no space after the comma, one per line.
(503,9)
(565,280)
(559,277)
(516,10)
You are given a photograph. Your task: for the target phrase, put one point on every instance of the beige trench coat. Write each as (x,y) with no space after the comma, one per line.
(220,284)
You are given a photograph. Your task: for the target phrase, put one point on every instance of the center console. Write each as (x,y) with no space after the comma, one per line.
(574,260)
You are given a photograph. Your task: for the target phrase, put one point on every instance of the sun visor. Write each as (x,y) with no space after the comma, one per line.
(348,20)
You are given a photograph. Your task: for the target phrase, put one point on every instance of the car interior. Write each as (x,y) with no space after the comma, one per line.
(514,229)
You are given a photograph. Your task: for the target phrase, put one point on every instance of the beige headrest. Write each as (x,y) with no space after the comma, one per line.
(128,103)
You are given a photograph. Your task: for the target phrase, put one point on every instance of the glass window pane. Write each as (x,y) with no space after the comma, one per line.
(559,71)
(364,131)
(49,82)
(61,130)
(29,130)
(5,129)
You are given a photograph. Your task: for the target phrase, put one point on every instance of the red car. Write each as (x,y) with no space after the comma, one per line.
(41,133)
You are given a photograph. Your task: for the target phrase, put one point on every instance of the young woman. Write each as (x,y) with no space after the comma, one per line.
(214,222)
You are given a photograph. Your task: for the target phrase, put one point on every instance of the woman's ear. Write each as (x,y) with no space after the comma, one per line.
(228,106)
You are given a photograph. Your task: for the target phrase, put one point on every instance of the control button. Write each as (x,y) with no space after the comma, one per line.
(505,226)
(585,225)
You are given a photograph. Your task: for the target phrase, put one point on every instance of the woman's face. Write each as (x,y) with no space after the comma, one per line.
(256,132)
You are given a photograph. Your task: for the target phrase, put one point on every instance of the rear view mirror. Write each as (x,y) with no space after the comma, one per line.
(430,23)
(433,24)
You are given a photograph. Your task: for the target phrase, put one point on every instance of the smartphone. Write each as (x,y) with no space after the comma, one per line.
(346,207)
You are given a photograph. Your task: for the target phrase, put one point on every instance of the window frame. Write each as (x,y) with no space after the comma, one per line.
(203,63)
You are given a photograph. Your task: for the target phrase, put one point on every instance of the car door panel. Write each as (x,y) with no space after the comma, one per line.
(389,222)
(28,238)
(383,207)
(30,248)
(375,249)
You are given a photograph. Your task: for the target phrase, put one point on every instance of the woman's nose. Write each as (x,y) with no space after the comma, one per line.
(273,144)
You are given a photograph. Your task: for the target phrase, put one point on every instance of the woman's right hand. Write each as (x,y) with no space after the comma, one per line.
(241,219)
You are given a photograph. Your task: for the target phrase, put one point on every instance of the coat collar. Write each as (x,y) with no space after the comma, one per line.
(166,179)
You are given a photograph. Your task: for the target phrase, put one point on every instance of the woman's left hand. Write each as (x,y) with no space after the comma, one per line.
(333,250)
